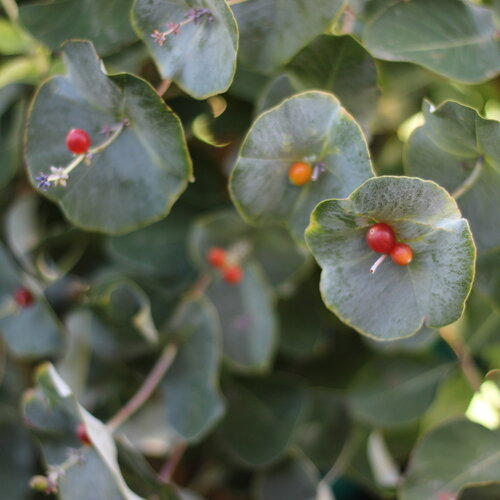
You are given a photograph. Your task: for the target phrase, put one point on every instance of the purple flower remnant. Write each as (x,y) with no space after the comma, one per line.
(196,15)
(159,37)
(319,168)
(173,28)
(43,182)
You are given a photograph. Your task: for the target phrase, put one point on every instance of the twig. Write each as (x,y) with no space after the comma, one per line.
(163,87)
(470,181)
(168,469)
(467,364)
(344,459)
(147,388)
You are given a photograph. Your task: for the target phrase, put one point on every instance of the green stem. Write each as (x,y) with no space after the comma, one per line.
(471,180)
(92,151)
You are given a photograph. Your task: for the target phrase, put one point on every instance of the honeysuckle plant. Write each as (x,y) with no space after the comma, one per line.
(250,250)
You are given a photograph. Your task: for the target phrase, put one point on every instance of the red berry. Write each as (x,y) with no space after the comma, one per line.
(78,141)
(300,173)
(380,238)
(216,257)
(23,297)
(233,274)
(401,254)
(81,433)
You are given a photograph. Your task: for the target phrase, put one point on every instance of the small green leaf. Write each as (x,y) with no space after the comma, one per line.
(395,301)
(450,457)
(201,58)
(193,402)
(451,37)
(272,31)
(53,414)
(137,178)
(455,142)
(309,127)
(248,319)
(261,417)
(394,391)
(106,24)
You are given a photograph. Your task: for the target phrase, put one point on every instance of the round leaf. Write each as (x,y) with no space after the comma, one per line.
(311,126)
(451,37)
(395,301)
(138,177)
(201,58)
(450,457)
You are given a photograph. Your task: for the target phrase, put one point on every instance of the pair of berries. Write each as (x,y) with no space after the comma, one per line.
(78,141)
(381,239)
(217,258)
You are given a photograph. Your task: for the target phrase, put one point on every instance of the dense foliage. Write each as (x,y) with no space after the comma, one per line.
(250,249)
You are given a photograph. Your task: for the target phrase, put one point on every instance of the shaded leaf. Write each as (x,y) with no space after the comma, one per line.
(248,320)
(451,37)
(450,457)
(486,491)
(324,427)
(341,66)
(112,195)
(294,479)
(395,301)
(190,387)
(307,127)
(394,391)
(447,150)
(106,24)
(201,58)
(272,31)
(268,410)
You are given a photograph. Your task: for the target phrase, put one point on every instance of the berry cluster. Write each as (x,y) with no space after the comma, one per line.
(381,239)
(218,258)
(174,28)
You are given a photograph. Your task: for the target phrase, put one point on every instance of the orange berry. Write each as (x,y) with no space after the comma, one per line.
(401,254)
(300,173)
(232,275)
(216,257)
